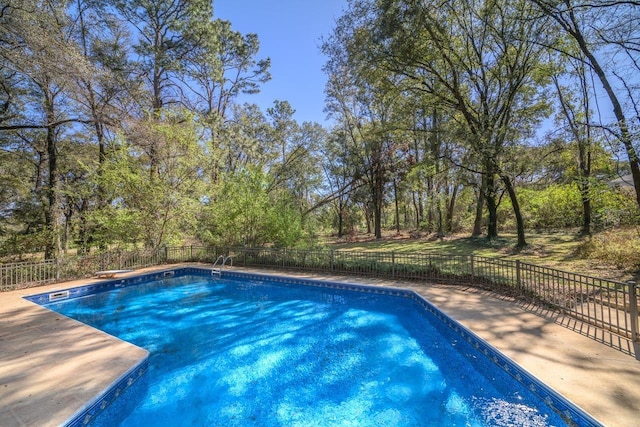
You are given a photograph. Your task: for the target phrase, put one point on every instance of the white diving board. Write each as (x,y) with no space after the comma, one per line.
(108,274)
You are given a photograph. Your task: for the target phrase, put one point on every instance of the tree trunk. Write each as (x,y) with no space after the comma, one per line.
(378,199)
(340,219)
(430,200)
(377,221)
(451,208)
(415,207)
(516,210)
(54,209)
(583,141)
(405,210)
(157,103)
(584,166)
(492,206)
(584,158)
(420,210)
(52,213)
(395,196)
(66,232)
(586,211)
(367,216)
(477,223)
(417,195)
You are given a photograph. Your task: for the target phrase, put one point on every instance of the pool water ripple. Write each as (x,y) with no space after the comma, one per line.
(237,352)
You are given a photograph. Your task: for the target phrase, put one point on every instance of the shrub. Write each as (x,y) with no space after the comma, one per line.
(620,248)
(246,211)
(560,206)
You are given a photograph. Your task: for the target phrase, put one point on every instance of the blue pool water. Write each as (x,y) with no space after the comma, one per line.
(241,352)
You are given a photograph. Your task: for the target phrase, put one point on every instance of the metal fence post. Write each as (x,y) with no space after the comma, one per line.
(393,264)
(332,260)
(472,269)
(633,311)
(518,279)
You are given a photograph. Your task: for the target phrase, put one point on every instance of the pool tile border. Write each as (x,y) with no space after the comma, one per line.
(89,412)
(570,412)
(104,286)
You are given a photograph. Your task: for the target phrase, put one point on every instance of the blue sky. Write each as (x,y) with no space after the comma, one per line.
(289,32)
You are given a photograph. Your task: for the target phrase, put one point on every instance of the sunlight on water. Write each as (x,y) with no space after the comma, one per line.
(356,411)
(239,380)
(501,413)
(231,353)
(456,405)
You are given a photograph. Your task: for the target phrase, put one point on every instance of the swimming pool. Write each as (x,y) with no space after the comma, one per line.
(258,350)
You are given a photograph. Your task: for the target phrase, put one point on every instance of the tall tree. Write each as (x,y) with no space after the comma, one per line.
(366,103)
(599,30)
(35,36)
(340,176)
(575,113)
(294,147)
(219,69)
(167,31)
(104,97)
(247,140)
(154,211)
(479,59)
(103,42)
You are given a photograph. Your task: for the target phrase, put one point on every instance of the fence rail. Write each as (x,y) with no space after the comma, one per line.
(37,273)
(604,303)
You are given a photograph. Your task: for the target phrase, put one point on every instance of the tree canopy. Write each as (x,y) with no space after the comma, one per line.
(121,124)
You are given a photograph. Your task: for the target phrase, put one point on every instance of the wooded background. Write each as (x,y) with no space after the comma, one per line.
(120,124)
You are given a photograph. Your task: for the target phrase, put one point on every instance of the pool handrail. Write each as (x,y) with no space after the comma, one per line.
(224,261)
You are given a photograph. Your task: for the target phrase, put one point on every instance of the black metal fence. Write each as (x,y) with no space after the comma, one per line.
(36,273)
(605,303)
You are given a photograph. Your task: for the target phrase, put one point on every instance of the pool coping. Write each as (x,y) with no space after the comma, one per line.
(109,395)
(55,367)
(602,382)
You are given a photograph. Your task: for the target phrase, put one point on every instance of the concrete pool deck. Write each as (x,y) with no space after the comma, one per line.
(51,366)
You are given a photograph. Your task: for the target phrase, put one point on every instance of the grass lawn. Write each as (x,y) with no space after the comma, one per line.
(562,250)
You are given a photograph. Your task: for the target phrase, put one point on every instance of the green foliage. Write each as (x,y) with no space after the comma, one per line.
(554,207)
(284,222)
(117,225)
(19,209)
(436,105)
(560,206)
(615,208)
(17,246)
(245,213)
(155,207)
(619,248)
